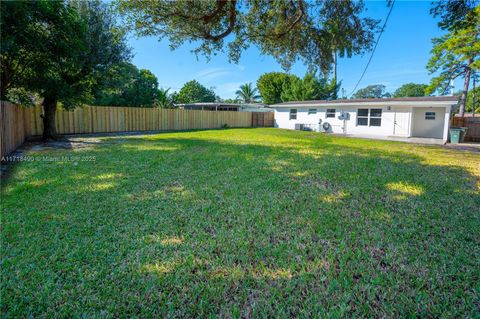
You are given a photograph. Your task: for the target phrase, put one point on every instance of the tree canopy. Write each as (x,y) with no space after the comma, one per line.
(309,88)
(456,54)
(124,84)
(56,48)
(277,87)
(194,92)
(271,86)
(376,91)
(410,90)
(454,14)
(309,31)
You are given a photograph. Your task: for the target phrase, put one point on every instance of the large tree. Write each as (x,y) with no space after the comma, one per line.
(309,88)
(347,36)
(287,30)
(456,54)
(124,84)
(56,48)
(376,91)
(194,92)
(454,14)
(411,90)
(247,93)
(271,86)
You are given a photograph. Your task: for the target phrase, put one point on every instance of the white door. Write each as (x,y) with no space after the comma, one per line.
(401,122)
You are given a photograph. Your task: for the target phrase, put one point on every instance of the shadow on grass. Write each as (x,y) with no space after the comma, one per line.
(193,227)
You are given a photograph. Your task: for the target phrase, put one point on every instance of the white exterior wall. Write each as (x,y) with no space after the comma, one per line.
(350,125)
(428,128)
(398,121)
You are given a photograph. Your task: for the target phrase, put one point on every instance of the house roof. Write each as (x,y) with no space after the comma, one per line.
(223,104)
(442,100)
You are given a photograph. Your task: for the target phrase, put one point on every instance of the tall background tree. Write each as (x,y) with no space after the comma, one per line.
(310,87)
(247,93)
(286,30)
(411,90)
(456,54)
(194,92)
(271,86)
(124,84)
(376,91)
(276,87)
(348,37)
(56,48)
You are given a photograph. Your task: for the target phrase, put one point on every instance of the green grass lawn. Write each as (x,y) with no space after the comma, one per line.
(243,223)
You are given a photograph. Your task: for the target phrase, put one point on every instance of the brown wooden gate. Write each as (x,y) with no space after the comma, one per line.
(262,119)
(473,127)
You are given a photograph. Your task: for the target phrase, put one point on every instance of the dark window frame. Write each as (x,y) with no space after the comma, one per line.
(293,114)
(377,117)
(329,113)
(429,117)
(363,117)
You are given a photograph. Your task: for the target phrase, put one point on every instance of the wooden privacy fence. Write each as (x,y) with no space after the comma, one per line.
(14,130)
(18,123)
(473,127)
(103,119)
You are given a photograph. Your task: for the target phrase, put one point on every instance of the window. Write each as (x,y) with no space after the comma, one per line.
(430,115)
(362,117)
(312,111)
(369,117)
(293,114)
(375,117)
(330,113)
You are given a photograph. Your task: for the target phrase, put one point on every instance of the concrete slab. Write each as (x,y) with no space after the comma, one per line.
(417,140)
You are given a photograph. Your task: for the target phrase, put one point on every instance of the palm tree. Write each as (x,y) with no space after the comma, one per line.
(164,98)
(248,93)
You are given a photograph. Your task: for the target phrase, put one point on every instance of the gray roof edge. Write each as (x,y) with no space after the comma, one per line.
(452,99)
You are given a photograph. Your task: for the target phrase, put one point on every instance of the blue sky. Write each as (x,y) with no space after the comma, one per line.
(401,56)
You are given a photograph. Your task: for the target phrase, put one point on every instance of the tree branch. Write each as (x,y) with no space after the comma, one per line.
(295,22)
(219,7)
(232,20)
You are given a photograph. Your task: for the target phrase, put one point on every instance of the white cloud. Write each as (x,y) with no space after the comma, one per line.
(213,73)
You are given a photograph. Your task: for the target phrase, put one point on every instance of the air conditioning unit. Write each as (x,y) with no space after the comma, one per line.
(299,127)
(325,127)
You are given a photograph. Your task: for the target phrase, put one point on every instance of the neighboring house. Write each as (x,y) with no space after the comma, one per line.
(214,106)
(427,117)
(255,107)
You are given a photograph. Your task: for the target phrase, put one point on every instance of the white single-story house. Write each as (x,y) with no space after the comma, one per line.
(426,117)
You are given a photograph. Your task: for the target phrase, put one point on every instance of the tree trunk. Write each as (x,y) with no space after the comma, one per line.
(466,83)
(49,110)
(335,66)
(335,58)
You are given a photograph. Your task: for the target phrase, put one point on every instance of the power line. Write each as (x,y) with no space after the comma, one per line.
(374,48)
